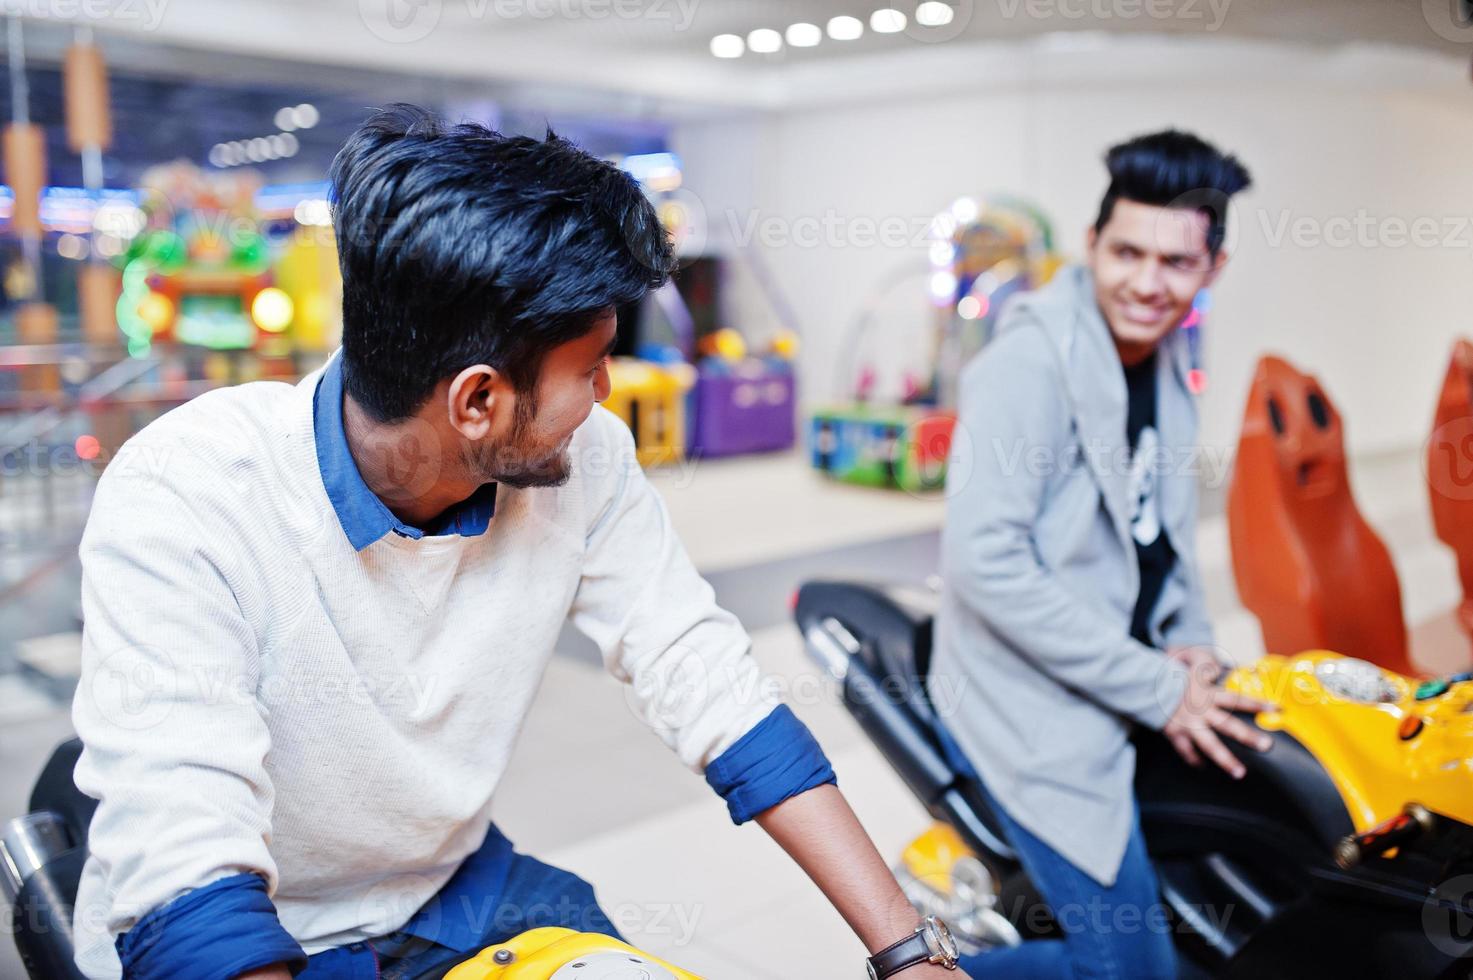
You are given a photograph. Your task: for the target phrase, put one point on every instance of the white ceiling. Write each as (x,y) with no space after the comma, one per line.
(658,50)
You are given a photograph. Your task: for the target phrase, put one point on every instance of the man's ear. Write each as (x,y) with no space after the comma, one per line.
(1218,262)
(471,400)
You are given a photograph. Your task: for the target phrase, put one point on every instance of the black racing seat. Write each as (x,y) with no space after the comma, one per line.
(41,918)
(878,639)
(893,624)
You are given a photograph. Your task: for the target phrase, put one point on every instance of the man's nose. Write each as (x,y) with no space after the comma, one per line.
(1147,280)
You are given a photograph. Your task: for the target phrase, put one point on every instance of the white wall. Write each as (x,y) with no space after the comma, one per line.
(1327,134)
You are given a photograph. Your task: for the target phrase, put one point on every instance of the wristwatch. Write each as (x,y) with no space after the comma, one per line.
(930,943)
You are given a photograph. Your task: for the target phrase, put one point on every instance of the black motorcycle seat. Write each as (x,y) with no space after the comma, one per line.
(894,623)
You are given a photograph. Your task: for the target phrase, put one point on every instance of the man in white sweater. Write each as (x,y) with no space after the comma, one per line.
(316,614)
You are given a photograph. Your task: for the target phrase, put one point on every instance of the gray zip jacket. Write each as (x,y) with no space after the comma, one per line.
(1035,672)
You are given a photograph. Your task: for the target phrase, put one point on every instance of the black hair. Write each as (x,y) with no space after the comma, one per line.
(1174,169)
(459,245)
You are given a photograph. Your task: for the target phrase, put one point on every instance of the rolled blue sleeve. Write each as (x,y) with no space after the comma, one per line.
(217,932)
(779,758)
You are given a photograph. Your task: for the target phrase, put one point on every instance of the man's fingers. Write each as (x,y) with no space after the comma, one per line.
(1240,730)
(1214,749)
(1186,749)
(1233,701)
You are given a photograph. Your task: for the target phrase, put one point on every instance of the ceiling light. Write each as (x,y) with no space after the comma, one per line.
(933,13)
(764,40)
(845,28)
(887,20)
(804,35)
(728,46)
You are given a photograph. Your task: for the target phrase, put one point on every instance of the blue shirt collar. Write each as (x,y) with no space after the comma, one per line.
(361,513)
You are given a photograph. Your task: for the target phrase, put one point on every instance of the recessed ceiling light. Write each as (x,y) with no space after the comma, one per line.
(933,13)
(804,35)
(887,20)
(845,28)
(728,46)
(764,40)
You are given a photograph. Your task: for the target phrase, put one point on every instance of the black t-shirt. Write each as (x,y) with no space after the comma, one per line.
(1152,546)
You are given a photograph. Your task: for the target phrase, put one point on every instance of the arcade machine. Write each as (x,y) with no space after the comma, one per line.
(223,270)
(982,253)
(650,377)
(742,402)
(684,379)
(650,381)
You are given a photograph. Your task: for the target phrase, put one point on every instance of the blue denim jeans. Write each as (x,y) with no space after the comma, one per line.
(535,895)
(1120,931)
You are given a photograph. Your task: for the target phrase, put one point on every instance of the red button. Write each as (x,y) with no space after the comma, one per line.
(1411,727)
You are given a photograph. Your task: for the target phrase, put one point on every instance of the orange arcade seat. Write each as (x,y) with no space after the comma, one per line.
(1307,564)
(1450,470)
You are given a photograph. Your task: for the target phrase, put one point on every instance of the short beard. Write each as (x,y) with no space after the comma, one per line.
(516,462)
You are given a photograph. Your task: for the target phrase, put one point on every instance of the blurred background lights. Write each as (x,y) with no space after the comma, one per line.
(802,35)
(313,211)
(87,447)
(887,20)
(156,310)
(964,209)
(943,285)
(290,117)
(764,40)
(71,247)
(845,28)
(933,13)
(973,307)
(272,310)
(942,253)
(728,46)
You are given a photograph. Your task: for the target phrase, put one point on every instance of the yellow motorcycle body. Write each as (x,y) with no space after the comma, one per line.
(554,953)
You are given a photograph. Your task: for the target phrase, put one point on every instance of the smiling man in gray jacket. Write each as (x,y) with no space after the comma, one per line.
(1073,607)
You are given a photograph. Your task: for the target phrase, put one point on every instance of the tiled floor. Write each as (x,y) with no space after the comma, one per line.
(719,900)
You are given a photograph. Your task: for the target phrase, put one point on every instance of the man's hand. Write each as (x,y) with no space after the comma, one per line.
(1204,715)
(1197,658)
(820,832)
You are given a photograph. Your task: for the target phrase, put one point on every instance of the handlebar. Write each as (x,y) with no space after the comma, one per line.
(1411,823)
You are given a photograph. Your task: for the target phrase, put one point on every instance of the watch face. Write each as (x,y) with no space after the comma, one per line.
(944,942)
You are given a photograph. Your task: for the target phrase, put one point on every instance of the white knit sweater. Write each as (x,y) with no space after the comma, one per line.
(258,696)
